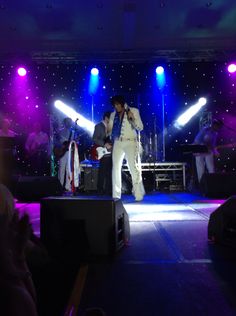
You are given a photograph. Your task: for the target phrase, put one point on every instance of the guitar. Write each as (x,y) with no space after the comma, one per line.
(97,152)
(102,151)
(59,151)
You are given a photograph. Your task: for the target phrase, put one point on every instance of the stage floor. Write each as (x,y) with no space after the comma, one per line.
(155,207)
(168,268)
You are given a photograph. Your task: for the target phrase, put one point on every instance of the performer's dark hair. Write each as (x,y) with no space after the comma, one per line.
(118,99)
(67,120)
(106,114)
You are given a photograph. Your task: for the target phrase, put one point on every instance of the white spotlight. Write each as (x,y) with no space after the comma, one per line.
(189,113)
(68,111)
(202,101)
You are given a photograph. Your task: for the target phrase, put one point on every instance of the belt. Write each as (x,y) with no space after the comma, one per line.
(122,139)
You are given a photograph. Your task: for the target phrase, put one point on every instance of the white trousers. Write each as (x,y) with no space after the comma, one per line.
(63,171)
(202,162)
(128,149)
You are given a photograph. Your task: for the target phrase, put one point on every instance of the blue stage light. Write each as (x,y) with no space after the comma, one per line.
(159,70)
(93,81)
(160,77)
(94,72)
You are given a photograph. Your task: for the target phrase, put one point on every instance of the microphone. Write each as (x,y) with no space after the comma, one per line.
(76,121)
(127,110)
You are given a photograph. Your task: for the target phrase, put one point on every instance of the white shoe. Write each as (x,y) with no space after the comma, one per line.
(138,198)
(138,192)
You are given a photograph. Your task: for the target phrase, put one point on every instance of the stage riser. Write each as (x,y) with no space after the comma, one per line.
(90,178)
(95,227)
(151,181)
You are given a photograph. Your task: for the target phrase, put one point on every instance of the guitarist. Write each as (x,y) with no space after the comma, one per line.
(37,150)
(65,135)
(101,139)
(207,136)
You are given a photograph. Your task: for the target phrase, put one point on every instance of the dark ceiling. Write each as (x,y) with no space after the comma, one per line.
(118,30)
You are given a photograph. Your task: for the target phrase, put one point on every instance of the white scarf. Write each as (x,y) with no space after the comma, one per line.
(74,176)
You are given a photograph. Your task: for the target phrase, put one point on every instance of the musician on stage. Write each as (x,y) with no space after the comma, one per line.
(65,135)
(7,151)
(5,130)
(125,123)
(207,136)
(101,139)
(37,148)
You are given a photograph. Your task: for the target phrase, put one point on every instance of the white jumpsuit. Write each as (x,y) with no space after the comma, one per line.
(127,146)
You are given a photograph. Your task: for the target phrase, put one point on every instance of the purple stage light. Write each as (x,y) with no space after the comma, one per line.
(232,68)
(21,71)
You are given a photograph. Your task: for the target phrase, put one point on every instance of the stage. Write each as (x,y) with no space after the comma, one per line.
(168,268)
(156,206)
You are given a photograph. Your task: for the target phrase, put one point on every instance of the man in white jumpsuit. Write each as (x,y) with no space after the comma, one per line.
(124,124)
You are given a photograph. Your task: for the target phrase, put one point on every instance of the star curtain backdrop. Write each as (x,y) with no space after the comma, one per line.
(32,99)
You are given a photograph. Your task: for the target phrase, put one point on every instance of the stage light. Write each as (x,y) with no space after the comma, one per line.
(159,70)
(160,77)
(232,68)
(202,101)
(93,81)
(70,112)
(184,118)
(21,71)
(94,72)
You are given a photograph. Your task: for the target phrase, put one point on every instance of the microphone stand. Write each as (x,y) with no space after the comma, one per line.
(155,149)
(72,155)
(163,128)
